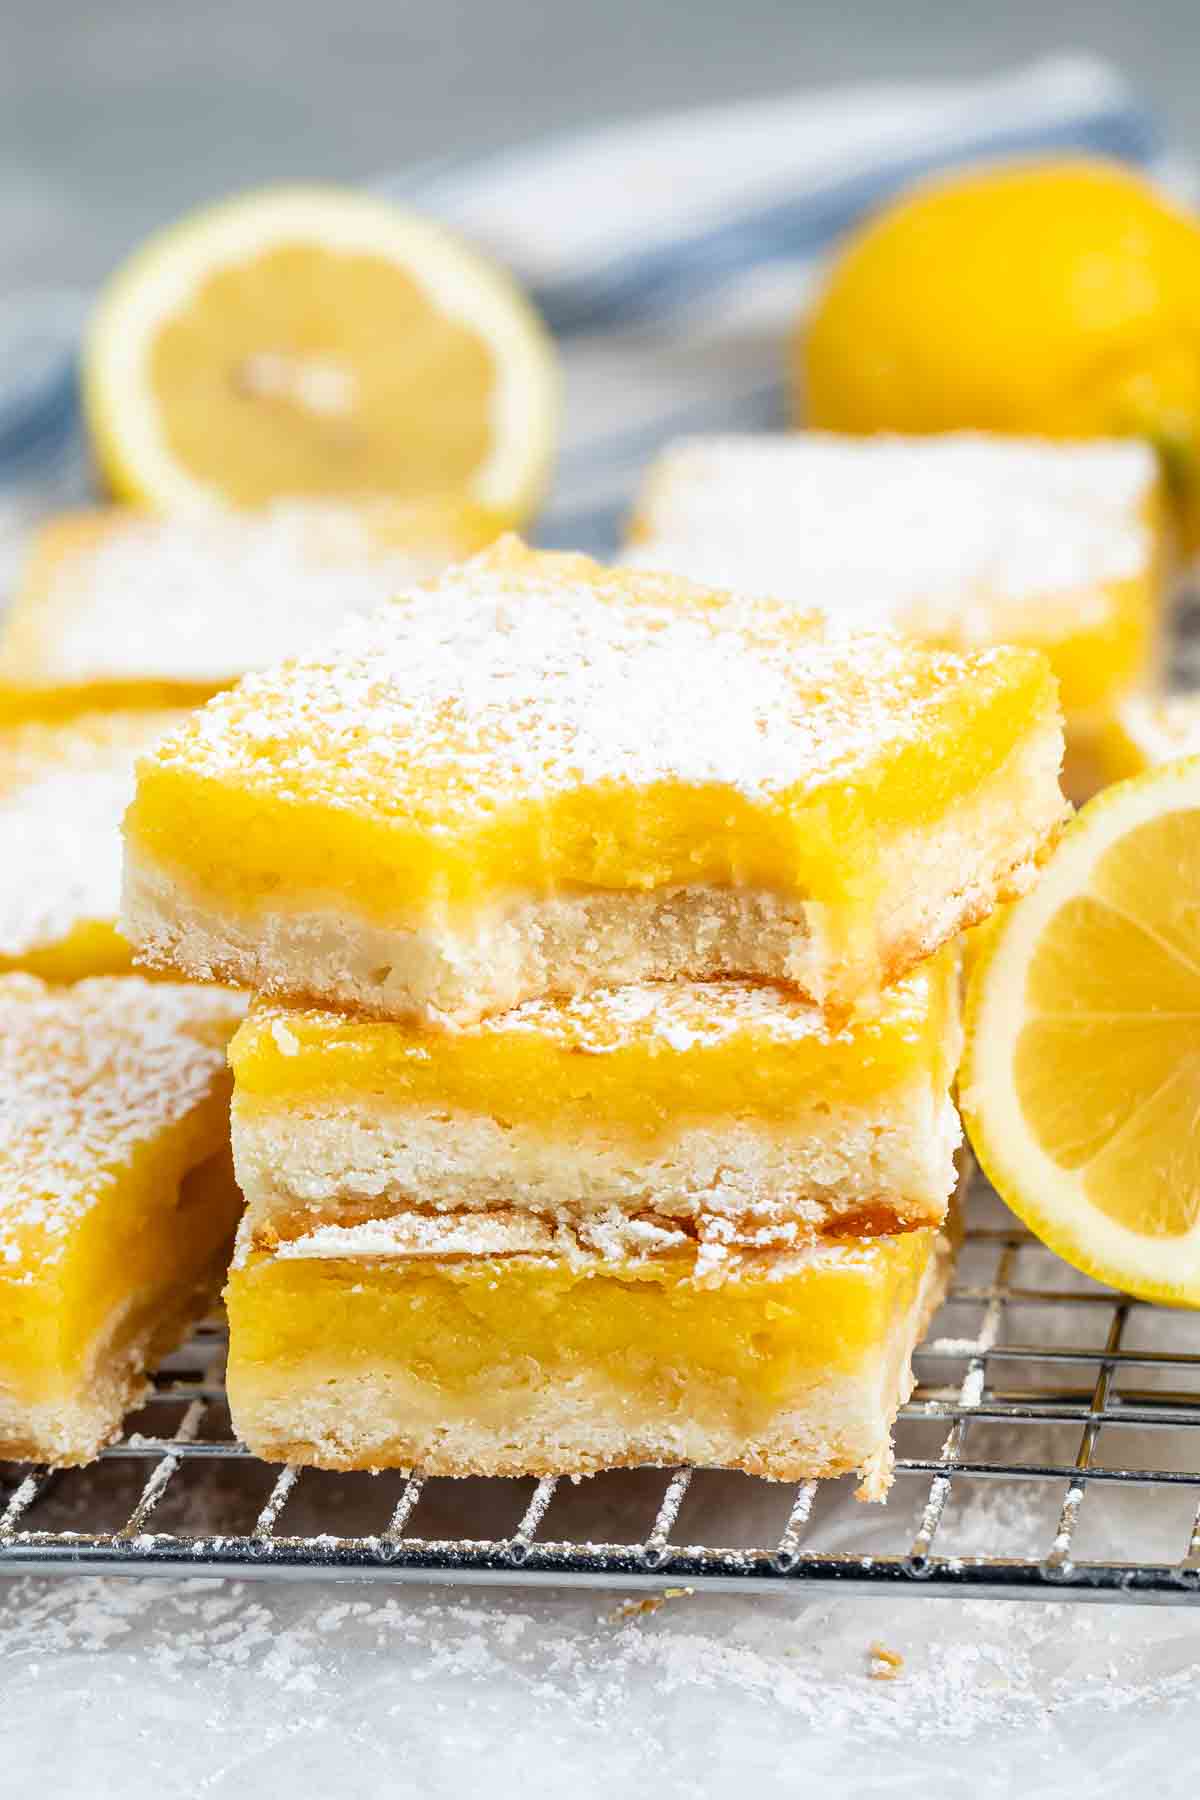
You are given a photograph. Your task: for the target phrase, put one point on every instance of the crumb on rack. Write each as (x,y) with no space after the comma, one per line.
(635,1609)
(884,1664)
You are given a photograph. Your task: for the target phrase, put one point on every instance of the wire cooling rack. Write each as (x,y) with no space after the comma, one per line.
(1051,1450)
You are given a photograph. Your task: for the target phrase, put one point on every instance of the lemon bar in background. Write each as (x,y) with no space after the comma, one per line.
(117,1199)
(117,607)
(537,776)
(63,788)
(1145,732)
(961,541)
(476,1346)
(717,1112)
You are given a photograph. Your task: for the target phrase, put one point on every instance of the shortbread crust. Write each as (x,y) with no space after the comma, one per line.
(724,1107)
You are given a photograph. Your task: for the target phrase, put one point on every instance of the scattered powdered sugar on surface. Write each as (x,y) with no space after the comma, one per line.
(175,1688)
(519,675)
(63,791)
(207,1687)
(87,1074)
(961,528)
(204,600)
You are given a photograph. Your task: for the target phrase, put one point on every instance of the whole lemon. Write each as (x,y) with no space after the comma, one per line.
(1054,299)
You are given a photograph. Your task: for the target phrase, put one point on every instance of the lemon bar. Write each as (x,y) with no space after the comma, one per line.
(121,608)
(117,1199)
(481,1346)
(718,1112)
(64,786)
(538,776)
(1145,731)
(961,541)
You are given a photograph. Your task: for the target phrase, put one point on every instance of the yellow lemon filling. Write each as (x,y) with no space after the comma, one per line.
(153,1231)
(646,1328)
(533,724)
(116,1189)
(643,1058)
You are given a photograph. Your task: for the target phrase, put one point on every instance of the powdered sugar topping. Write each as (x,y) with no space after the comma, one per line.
(63,790)
(200,601)
(88,1075)
(669,1017)
(519,677)
(961,528)
(682,1016)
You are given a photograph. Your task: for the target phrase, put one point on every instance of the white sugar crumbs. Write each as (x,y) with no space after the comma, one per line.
(532,1679)
(530,676)
(228,1658)
(867,530)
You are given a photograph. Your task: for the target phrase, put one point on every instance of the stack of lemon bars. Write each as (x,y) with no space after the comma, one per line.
(595,1107)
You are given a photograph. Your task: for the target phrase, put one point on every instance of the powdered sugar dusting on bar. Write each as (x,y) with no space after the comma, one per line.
(198,601)
(668,1017)
(63,790)
(961,527)
(518,676)
(88,1075)
(600,1243)
(682,1016)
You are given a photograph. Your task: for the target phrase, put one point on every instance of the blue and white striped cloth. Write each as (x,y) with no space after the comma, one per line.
(669,257)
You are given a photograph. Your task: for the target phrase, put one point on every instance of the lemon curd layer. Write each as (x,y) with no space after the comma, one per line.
(534,729)
(121,608)
(642,1057)
(709,1111)
(117,1201)
(532,1363)
(958,541)
(63,789)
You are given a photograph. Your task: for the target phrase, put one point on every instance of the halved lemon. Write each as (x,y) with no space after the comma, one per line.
(1080,1086)
(315,341)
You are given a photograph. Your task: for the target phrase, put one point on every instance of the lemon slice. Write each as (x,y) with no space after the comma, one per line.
(318,342)
(1081,1082)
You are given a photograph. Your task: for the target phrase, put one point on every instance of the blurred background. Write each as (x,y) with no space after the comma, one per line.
(116,117)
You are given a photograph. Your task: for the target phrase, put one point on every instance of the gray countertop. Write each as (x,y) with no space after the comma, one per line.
(115,118)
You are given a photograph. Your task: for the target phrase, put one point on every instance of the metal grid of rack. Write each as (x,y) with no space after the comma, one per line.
(1081,1404)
